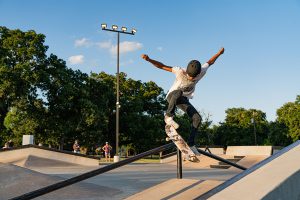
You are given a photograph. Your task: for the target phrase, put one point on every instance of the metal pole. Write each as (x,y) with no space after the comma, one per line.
(179,164)
(123,30)
(118,98)
(254,132)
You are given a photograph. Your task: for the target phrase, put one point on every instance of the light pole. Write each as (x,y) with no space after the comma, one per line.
(254,128)
(114,28)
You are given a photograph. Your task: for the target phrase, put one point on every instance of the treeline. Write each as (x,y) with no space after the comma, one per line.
(41,96)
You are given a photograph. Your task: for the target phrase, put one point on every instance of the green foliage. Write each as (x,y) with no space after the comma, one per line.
(142,106)
(278,134)
(22,55)
(289,115)
(40,95)
(241,126)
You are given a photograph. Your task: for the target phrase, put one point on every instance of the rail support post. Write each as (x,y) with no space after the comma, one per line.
(179,164)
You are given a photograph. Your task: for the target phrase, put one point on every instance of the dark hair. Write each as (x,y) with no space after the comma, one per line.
(193,68)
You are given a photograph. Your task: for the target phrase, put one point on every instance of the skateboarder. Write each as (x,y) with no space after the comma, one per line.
(183,89)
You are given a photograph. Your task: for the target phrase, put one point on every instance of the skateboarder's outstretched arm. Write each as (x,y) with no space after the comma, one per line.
(156,63)
(214,58)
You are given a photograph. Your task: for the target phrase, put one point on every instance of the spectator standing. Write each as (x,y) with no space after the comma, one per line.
(107,149)
(76,147)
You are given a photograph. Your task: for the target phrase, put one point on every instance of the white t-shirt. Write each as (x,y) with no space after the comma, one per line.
(183,83)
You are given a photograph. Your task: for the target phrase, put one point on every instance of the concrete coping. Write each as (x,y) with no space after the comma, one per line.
(48,149)
(249,150)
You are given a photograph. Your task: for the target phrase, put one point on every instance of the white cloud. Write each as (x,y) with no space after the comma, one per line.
(83,42)
(78,59)
(125,47)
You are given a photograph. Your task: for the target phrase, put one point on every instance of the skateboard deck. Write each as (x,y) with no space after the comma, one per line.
(186,151)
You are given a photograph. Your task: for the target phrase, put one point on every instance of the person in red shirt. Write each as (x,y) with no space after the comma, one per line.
(107,148)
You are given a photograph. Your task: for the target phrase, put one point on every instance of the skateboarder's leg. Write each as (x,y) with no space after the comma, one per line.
(189,109)
(194,129)
(172,99)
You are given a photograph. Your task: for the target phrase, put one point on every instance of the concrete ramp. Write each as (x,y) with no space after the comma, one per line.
(251,160)
(41,156)
(277,177)
(176,189)
(16,181)
(35,161)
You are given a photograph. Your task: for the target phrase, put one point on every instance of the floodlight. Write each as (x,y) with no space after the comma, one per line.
(133,31)
(103,26)
(114,27)
(124,29)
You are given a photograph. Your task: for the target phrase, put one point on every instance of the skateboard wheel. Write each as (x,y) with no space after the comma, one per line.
(167,139)
(193,159)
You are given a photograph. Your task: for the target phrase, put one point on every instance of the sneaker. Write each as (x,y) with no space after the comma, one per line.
(171,122)
(195,150)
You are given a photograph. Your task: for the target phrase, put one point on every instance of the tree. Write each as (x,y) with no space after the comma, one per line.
(278,134)
(22,55)
(289,115)
(142,106)
(241,127)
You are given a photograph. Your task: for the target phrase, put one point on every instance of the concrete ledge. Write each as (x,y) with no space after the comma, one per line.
(249,150)
(216,151)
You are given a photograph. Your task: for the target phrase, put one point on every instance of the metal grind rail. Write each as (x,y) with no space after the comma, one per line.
(56,186)
(221,159)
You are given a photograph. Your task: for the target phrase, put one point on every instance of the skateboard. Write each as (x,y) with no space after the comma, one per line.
(186,151)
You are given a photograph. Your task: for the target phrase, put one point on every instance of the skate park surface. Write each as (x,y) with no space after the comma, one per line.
(28,169)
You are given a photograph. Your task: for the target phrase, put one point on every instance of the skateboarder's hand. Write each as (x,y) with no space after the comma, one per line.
(221,50)
(145,57)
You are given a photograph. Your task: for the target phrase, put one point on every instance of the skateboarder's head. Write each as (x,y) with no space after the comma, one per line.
(193,68)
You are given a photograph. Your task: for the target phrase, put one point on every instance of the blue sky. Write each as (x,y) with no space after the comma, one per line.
(259,69)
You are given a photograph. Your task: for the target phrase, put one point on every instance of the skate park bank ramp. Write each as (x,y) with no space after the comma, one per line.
(17,180)
(36,156)
(277,177)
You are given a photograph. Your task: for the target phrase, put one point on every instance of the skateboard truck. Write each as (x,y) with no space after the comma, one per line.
(175,138)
